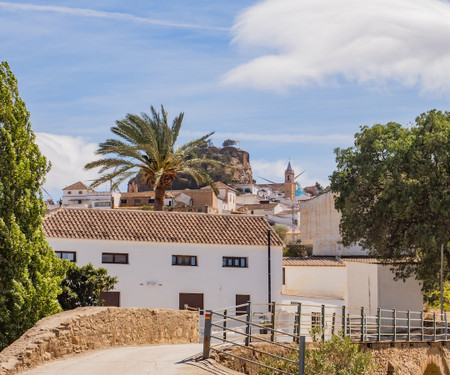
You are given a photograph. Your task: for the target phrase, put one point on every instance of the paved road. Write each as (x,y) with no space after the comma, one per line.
(142,360)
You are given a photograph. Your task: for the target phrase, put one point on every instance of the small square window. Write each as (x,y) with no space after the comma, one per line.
(236,262)
(68,255)
(120,258)
(184,260)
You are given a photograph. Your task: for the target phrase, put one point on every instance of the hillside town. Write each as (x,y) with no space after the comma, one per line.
(207,251)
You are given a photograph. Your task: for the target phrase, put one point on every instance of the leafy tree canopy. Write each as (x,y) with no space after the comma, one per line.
(393,190)
(229,142)
(30,273)
(82,286)
(147,146)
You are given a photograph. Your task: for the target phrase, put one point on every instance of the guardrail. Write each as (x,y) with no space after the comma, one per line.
(282,324)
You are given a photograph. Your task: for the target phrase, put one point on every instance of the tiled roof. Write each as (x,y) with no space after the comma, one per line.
(148,226)
(313,262)
(77,186)
(221,185)
(374,260)
(147,194)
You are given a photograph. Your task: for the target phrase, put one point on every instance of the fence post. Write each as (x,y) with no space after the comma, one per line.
(434,326)
(333,323)
(224,333)
(299,321)
(409,325)
(207,334)
(248,326)
(301,355)
(362,324)
(344,321)
(446,327)
(421,326)
(394,320)
(379,324)
(273,322)
(323,322)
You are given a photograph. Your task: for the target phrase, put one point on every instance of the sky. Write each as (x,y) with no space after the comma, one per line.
(290,79)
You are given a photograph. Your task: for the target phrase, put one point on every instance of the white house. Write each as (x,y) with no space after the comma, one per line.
(169,259)
(337,275)
(319,227)
(354,282)
(81,195)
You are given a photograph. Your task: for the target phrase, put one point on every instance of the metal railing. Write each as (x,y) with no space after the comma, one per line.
(281,324)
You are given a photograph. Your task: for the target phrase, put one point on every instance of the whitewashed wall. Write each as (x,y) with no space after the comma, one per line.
(398,294)
(150,280)
(362,280)
(316,282)
(319,225)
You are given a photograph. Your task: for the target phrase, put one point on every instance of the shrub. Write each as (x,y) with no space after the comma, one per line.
(339,356)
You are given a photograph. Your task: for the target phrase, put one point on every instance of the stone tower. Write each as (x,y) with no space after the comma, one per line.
(289,183)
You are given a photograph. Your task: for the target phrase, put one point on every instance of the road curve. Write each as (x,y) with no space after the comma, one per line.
(141,360)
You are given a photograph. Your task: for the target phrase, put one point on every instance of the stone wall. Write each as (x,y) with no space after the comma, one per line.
(401,358)
(410,357)
(90,328)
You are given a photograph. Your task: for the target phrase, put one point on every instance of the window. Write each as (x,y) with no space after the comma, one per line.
(151,200)
(69,192)
(123,201)
(239,262)
(121,258)
(184,260)
(68,255)
(316,319)
(284,276)
(79,201)
(80,192)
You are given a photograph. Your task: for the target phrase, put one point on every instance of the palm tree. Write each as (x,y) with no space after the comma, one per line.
(147,147)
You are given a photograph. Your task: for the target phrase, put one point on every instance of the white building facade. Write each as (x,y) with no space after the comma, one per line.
(169,259)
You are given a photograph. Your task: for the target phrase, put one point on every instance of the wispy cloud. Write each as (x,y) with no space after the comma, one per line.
(303,42)
(81,12)
(68,155)
(333,139)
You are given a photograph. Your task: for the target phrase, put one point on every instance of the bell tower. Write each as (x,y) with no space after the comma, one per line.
(289,183)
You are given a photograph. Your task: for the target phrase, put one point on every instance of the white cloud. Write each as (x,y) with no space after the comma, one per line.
(68,156)
(368,41)
(102,14)
(274,171)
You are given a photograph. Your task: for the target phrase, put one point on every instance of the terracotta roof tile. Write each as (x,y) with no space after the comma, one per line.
(313,262)
(148,226)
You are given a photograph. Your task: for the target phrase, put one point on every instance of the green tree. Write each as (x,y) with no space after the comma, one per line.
(30,273)
(393,190)
(229,143)
(147,147)
(82,286)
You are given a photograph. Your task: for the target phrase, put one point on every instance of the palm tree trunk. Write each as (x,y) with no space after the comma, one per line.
(160,192)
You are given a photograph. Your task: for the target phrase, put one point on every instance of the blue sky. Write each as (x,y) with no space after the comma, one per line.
(289,79)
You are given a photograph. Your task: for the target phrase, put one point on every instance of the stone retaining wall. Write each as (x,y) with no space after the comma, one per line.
(90,328)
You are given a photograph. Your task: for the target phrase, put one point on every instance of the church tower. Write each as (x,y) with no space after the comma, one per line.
(289,183)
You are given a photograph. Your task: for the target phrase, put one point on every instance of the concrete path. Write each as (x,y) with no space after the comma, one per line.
(141,360)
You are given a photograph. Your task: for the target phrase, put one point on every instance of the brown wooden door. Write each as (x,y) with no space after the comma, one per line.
(240,299)
(193,300)
(110,298)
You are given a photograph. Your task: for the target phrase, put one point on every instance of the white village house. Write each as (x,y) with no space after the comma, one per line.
(169,259)
(337,275)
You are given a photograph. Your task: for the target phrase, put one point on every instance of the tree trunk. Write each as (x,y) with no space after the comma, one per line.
(160,192)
